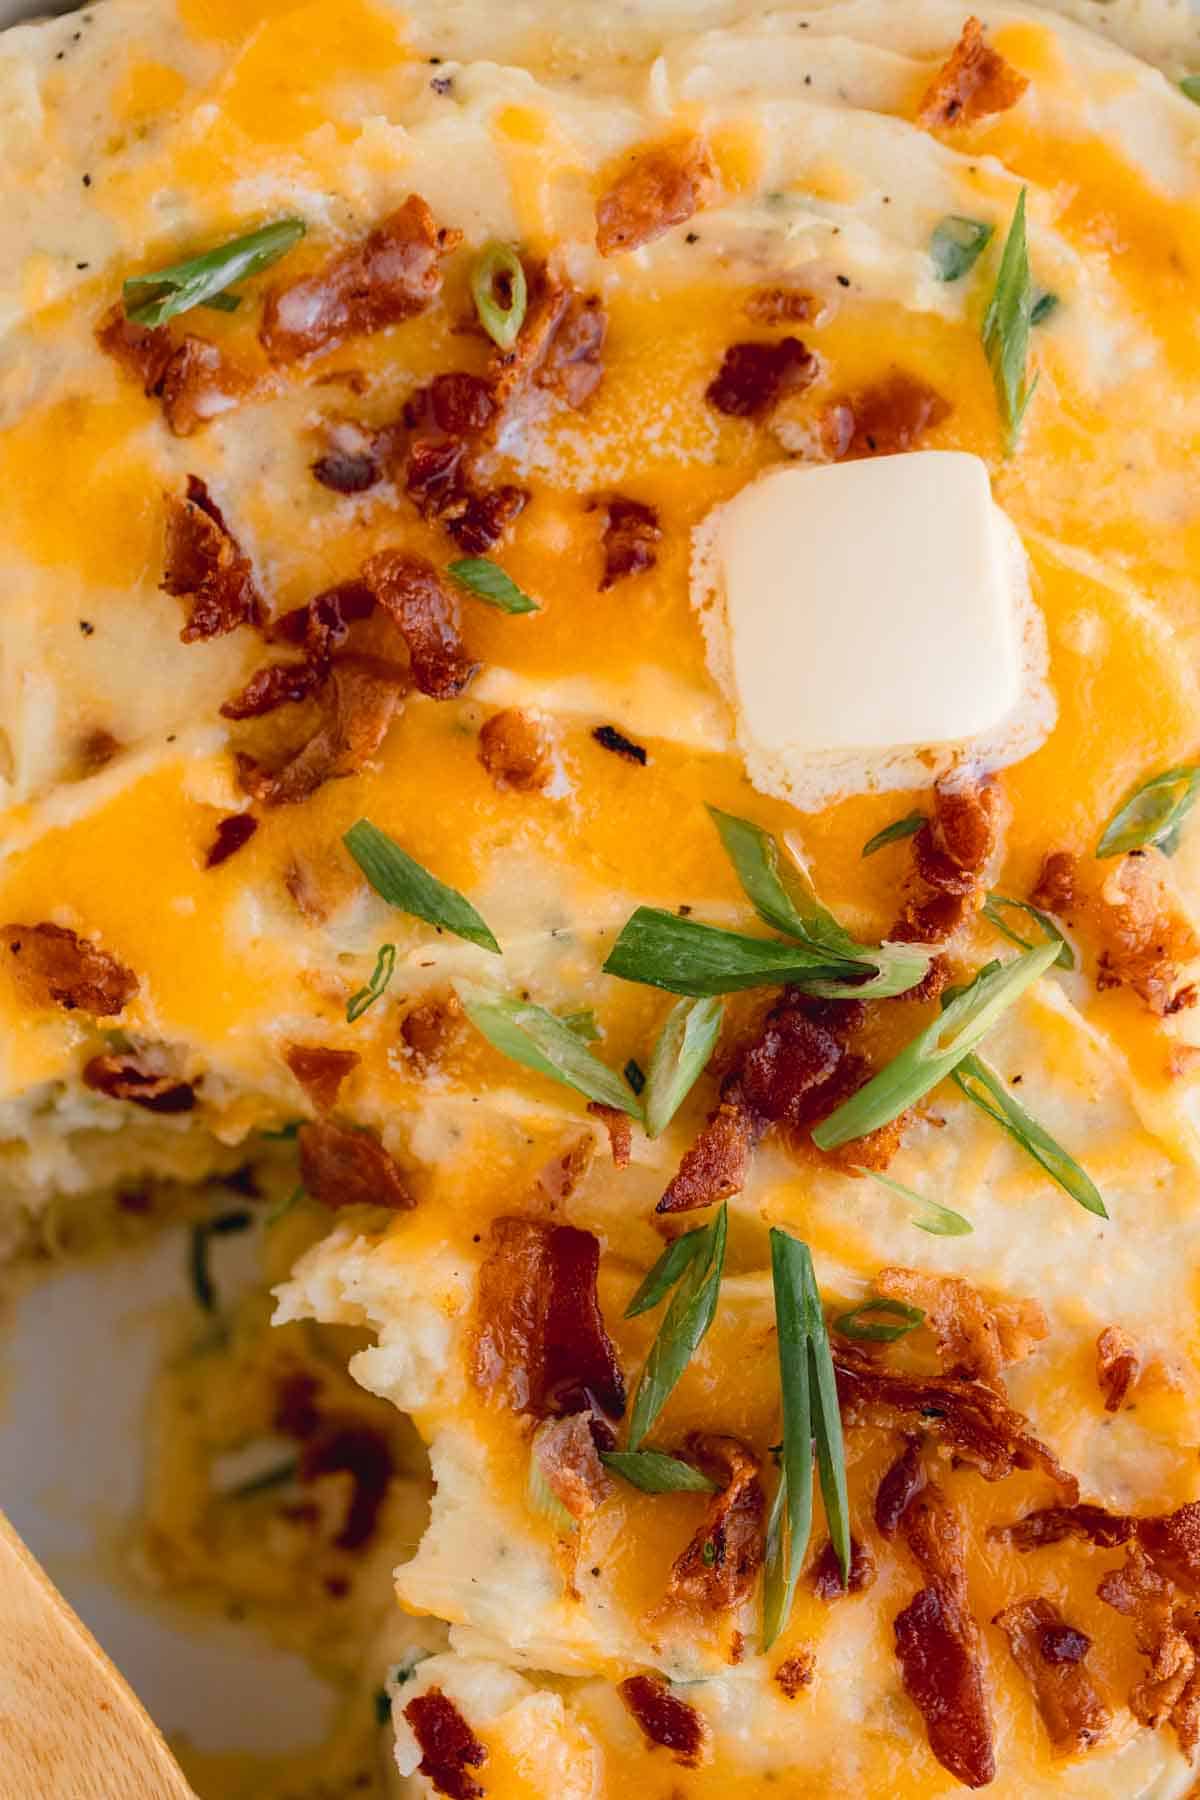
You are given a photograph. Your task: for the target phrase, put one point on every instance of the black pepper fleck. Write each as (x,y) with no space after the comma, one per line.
(86,626)
(693,237)
(442,84)
(87,181)
(843,281)
(609,738)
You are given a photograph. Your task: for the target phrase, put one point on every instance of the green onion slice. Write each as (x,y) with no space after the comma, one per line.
(1006,325)
(859,1325)
(540,1497)
(660,949)
(957,244)
(203,280)
(224,1225)
(985,1089)
(810,1415)
(1044,306)
(939,1220)
(667,1270)
(906,827)
(1154,813)
(583,1024)
(684,1327)
(1190,85)
(994,909)
(937,1050)
(381,974)
(657,1473)
(500,293)
(684,1046)
(488,581)
(400,880)
(540,1040)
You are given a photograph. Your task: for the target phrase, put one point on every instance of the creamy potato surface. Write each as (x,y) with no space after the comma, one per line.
(728,236)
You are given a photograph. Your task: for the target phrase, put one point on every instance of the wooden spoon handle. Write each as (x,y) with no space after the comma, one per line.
(70,1728)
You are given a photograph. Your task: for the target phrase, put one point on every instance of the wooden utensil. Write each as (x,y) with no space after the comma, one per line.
(70,1728)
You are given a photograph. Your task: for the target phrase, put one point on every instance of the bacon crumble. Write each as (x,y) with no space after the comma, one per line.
(973,84)
(192,377)
(233,831)
(559,347)
(430,1028)
(951,855)
(340,1167)
(142,1077)
(631,537)
(755,377)
(540,1342)
(780,306)
(1118,1365)
(425,612)
(53,966)
(826,1573)
(449,1748)
(718,1569)
(390,275)
(514,748)
(663,186)
(206,566)
(900,1485)
(354,1449)
(619,1127)
(360,698)
(890,416)
(974,1337)
(665,1719)
(320,1070)
(795,1673)
(567,1456)
(1168,1636)
(1052,1655)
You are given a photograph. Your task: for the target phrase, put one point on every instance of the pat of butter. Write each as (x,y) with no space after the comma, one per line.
(871,623)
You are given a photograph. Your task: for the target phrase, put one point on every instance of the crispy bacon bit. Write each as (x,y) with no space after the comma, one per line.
(631,535)
(567,1456)
(951,853)
(320,1070)
(360,697)
(540,1340)
(559,348)
(449,1748)
(234,830)
(572,366)
(899,1487)
(140,1076)
(973,1418)
(429,1029)
(349,1168)
(795,1673)
(780,306)
(514,748)
(1052,1655)
(939,1648)
(482,518)
(206,566)
(462,404)
(353,459)
(663,186)
(718,1569)
(619,1127)
(55,967)
(1051,1524)
(827,1572)
(1172,1542)
(1169,1638)
(665,1719)
(609,738)
(356,1450)
(715,1166)
(754,378)
(974,83)
(974,1337)
(1133,915)
(890,416)
(425,613)
(1118,1365)
(323,626)
(193,378)
(278,684)
(391,275)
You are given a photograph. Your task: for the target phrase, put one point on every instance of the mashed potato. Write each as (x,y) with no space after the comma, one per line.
(192,958)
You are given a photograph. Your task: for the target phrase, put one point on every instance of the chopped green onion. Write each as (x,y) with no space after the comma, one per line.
(994,908)
(660,949)
(1005,329)
(656,1473)
(541,1041)
(906,827)
(936,1051)
(941,1221)
(286,1204)
(985,1089)
(873,1331)
(634,1074)
(957,244)
(684,1045)
(1190,85)
(400,880)
(381,974)
(202,281)
(688,1317)
(383,1706)
(488,581)
(224,1225)
(1044,305)
(584,1025)
(667,1270)
(1154,813)
(500,293)
(540,1497)
(810,1415)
